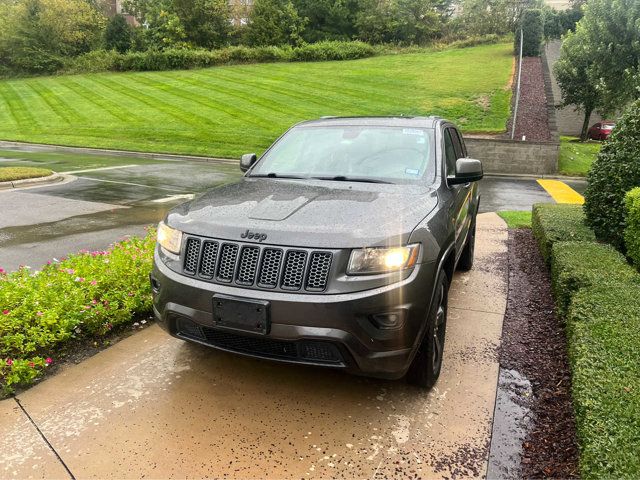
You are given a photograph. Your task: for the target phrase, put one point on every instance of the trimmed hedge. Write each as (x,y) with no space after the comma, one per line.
(632,229)
(603,326)
(84,296)
(577,265)
(612,175)
(184,59)
(553,223)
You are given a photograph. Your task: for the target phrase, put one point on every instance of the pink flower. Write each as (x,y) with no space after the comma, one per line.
(9,362)
(49,360)
(5,312)
(79,279)
(2,271)
(94,283)
(70,271)
(94,301)
(39,314)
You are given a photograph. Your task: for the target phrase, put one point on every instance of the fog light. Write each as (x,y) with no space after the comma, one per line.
(388,320)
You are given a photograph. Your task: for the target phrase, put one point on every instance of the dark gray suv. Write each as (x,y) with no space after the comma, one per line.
(335,249)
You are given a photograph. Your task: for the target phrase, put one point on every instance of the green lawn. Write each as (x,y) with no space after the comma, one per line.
(227,111)
(576,157)
(516,218)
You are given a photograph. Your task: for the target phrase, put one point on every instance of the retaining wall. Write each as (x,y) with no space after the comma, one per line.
(514,157)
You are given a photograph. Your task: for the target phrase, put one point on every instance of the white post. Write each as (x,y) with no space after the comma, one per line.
(515,108)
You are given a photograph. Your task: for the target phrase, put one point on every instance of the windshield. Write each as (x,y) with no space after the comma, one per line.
(358,153)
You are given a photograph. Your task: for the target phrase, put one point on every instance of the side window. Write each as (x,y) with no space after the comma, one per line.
(463,148)
(450,153)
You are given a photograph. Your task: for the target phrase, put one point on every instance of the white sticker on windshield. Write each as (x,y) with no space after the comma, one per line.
(413,131)
(421,140)
(412,171)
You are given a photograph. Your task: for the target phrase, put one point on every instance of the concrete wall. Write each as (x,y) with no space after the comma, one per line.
(514,157)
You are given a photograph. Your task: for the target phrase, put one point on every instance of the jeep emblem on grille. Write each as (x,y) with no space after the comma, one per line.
(254,236)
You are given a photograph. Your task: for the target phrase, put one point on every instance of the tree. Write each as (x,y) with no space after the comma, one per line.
(483,17)
(531,23)
(401,21)
(328,19)
(572,71)
(206,22)
(611,31)
(274,22)
(118,35)
(38,34)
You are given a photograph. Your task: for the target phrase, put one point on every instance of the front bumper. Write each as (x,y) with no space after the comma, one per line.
(337,331)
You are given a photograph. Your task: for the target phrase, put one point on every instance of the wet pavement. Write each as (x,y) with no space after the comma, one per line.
(155,406)
(109,198)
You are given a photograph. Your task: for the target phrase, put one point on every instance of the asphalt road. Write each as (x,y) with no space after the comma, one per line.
(108,199)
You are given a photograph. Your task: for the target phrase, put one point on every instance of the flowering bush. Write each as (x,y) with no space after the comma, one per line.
(85,295)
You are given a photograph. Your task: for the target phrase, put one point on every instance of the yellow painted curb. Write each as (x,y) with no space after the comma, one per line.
(561,192)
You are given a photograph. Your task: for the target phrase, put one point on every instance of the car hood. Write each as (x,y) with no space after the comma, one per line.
(322,214)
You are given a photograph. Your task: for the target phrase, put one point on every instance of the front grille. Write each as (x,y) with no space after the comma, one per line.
(263,267)
(301,350)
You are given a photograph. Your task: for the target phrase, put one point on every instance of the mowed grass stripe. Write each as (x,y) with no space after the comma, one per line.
(18,108)
(227,111)
(248,101)
(101,98)
(223,104)
(61,109)
(179,89)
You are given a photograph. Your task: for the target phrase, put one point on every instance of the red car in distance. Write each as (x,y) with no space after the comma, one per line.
(601,130)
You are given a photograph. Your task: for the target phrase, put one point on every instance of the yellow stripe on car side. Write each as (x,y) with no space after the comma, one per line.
(561,192)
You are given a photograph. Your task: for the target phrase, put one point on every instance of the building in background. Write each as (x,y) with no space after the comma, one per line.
(114,7)
(240,11)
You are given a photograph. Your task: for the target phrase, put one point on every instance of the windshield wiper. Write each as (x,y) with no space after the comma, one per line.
(277,175)
(342,178)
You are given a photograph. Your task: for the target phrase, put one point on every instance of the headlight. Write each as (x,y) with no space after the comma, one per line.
(381,260)
(169,238)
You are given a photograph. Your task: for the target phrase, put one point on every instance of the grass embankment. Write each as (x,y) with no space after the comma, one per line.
(576,157)
(10,174)
(598,295)
(227,111)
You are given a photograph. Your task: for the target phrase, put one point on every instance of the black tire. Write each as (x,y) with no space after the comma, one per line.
(466,259)
(426,365)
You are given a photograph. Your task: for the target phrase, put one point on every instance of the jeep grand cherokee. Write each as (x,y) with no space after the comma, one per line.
(336,248)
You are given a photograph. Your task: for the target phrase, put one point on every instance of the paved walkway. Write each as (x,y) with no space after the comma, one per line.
(155,406)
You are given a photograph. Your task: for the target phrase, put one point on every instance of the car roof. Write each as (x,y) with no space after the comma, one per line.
(400,121)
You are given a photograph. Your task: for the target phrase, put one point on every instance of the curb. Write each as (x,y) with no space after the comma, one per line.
(35,147)
(521,176)
(31,182)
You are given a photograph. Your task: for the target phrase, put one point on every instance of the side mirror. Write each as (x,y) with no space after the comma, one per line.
(467,170)
(247,160)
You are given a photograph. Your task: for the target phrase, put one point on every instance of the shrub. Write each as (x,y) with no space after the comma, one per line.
(603,326)
(612,175)
(84,296)
(117,35)
(577,265)
(182,58)
(532,30)
(632,229)
(553,223)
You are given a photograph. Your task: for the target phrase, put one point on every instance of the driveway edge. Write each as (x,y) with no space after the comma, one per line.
(31,182)
(42,147)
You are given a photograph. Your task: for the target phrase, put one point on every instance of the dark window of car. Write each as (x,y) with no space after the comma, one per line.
(450,153)
(462,153)
(393,154)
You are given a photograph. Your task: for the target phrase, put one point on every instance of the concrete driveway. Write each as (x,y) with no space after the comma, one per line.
(154,406)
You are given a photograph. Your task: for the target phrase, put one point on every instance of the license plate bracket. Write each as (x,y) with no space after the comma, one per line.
(247,315)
